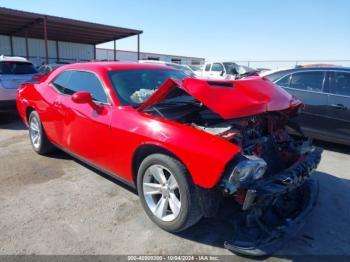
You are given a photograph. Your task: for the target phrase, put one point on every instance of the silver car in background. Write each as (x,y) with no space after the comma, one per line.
(14,71)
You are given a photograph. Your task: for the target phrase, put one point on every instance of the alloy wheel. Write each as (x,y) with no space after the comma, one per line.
(161,192)
(35,135)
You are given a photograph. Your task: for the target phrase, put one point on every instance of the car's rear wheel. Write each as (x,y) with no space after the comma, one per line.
(37,135)
(167,193)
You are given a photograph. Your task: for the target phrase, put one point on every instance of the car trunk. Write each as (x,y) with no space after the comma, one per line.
(14,73)
(15,81)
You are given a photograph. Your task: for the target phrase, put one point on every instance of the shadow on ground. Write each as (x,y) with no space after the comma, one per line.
(325,233)
(333,147)
(11,121)
(59,154)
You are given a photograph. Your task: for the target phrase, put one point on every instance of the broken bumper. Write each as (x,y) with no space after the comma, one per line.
(278,209)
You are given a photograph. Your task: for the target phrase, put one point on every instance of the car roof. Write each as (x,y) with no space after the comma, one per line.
(314,68)
(275,75)
(109,66)
(4,58)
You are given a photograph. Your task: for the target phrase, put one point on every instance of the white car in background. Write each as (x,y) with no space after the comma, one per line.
(224,70)
(14,71)
(197,69)
(184,68)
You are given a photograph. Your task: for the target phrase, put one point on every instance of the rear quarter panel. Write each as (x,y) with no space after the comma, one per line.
(40,98)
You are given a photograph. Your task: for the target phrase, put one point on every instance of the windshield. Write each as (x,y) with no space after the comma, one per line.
(17,68)
(231,68)
(196,67)
(134,86)
(235,69)
(187,70)
(242,69)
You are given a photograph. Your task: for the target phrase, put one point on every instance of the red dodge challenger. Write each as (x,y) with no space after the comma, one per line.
(184,143)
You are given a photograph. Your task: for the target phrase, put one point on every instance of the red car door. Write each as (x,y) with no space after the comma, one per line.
(86,131)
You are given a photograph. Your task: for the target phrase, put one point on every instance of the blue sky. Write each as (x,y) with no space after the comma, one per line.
(228,30)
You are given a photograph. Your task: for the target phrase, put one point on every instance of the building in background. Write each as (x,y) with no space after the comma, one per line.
(122,55)
(50,39)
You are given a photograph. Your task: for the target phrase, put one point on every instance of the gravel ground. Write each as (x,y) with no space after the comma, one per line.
(56,205)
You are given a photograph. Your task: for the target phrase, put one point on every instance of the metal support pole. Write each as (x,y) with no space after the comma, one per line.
(138,47)
(115,50)
(94,52)
(57,51)
(27,48)
(11,45)
(46,44)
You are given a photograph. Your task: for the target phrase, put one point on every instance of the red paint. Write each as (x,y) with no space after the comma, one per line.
(109,137)
(249,96)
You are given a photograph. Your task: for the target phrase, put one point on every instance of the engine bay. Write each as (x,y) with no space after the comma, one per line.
(271,136)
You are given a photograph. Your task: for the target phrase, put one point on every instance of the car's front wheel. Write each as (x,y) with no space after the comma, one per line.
(37,135)
(167,193)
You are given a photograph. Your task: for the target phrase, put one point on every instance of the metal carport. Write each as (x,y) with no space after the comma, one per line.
(27,24)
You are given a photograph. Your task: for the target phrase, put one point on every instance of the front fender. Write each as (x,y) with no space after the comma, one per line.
(204,155)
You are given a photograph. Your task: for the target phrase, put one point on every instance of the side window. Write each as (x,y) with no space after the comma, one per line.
(217,67)
(207,67)
(341,84)
(284,81)
(85,81)
(310,81)
(60,82)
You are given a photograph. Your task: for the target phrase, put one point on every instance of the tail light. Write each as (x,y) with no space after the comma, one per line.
(36,77)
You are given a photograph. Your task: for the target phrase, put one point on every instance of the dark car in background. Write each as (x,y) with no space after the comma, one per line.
(47,68)
(326,94)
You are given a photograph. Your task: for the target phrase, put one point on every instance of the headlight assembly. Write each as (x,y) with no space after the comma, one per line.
(251,168)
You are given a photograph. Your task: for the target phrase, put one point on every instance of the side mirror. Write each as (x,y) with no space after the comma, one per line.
(84,97)
(222,73)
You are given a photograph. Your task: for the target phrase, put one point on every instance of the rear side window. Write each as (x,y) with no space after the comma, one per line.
(85,81)
(207,67)
(17,68)
(284,81)
(70,82)
(341,84)
(61,81)
(310,81)
(217,67)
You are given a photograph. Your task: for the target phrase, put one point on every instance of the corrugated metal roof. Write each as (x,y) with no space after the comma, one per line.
(17,23)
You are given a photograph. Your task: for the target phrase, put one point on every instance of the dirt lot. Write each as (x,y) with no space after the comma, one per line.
(57,205)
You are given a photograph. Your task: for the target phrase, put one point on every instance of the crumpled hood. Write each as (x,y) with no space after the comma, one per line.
(230,98)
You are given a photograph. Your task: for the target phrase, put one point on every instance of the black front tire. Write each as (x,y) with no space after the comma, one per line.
(44,146)
(190,212)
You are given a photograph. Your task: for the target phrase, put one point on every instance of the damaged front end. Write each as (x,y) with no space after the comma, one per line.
(274,209)
(270,181)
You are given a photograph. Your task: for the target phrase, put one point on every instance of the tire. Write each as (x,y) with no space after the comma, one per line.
(175,218)
(41,145)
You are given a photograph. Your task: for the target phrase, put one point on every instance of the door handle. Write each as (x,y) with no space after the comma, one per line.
(339,106)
